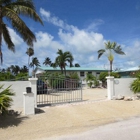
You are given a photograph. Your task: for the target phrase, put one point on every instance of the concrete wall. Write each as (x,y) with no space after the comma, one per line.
(122,86)
(18,87)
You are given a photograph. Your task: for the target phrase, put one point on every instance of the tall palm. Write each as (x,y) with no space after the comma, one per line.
(16,69)
(110,48)
(24,69)
(12,10)
(47,61)
(62,58)
(29,52)
(35,62)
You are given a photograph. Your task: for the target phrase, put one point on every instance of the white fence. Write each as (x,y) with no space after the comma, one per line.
(119,86)
(18,87)
(122,86)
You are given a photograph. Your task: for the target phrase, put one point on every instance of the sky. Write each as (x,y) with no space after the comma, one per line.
(81,27)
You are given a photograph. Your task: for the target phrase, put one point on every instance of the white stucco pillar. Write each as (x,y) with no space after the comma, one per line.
(110,87)
(28,103)
(33,85)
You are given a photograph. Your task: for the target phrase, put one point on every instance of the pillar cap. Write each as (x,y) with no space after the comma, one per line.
(33,79)
(110,77)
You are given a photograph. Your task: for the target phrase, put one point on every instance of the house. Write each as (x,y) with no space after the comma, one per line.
(81,71)
(126,73)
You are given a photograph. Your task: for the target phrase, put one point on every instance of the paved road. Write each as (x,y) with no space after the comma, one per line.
(124,130)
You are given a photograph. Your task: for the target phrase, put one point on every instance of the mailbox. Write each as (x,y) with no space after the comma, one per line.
(28,89)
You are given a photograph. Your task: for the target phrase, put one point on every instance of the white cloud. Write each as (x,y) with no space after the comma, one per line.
(94,25)
(46,15)
(15,37)
(82,41)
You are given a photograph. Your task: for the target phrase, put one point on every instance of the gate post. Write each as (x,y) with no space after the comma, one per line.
(33,85)
(28,103)
(110,87)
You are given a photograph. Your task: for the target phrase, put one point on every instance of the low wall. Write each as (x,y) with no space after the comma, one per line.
(122,86)
(18,87)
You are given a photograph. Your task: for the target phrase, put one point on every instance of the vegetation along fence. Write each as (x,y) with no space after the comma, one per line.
(56,90)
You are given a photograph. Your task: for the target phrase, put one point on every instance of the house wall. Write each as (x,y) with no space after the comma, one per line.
(84,77)
(18,87)
(122,86)
(78,72)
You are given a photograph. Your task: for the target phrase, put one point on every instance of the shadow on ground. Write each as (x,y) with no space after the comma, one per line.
(38,111)
(13,118)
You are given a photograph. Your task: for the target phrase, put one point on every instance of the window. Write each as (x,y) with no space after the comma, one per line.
(82,73)
(89,72)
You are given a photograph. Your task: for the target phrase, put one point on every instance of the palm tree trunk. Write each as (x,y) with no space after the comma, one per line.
(111,62)
(65,71)
(61,70)
(0,33)
(28,65)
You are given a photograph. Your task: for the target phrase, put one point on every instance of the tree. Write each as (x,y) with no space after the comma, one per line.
(54,65)
(91,79)
(12,10)
(77,65)
(109,49)
(5,99)
(47,61)
(29,52)
(35,62)
(16,69)
(62,58)
(135,85)
(8,69)
(24,69)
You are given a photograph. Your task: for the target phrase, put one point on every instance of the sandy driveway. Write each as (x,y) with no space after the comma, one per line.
(69,118)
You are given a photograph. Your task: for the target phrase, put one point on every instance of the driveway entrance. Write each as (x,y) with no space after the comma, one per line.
(58,90)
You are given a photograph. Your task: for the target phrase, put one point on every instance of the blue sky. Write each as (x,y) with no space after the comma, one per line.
(82,27)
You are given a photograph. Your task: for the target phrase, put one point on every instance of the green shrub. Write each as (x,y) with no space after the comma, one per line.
(91,79)
(103,75)
(6,76)
(74,75)
(22,76)
(135,85)
(5,100)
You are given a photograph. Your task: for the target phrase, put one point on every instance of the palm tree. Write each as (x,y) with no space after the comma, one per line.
(35,62)
(16,69)
(8,69)
(54,65)
(47,61)
(29,52)
(12,10)
(109,49)
(77,65)
(24,69)
(5,99)
(62,58)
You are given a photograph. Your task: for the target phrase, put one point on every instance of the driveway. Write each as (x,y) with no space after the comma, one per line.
(70,119)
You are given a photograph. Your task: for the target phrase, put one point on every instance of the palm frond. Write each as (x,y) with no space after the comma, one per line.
(7,38)
(19,25)
(100,53)
(5,99)
(25,8)
(118,50)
